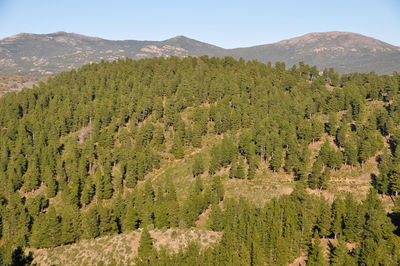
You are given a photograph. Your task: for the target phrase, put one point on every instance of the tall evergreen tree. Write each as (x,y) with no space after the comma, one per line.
(146,251)
(315,255)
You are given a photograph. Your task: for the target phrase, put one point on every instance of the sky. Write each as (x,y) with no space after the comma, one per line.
(228,24)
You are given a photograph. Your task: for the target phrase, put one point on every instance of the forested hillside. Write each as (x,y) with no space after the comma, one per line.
(89,153)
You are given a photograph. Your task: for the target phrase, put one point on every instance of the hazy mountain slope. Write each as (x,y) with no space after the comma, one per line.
(346,52)
(47,54)
(51,53)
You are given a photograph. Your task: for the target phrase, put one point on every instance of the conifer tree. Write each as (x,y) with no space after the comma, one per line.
(340,254)
(341,134)
(70,224)
(130,219)
(53,227)
(39,234)
(395,179)
(218,188)
(51,184)
(331,126)
(196,137)
(276,159)
(315,175)
(88,191)
(337,216)
(351,220)
(198,166)
(350,152)
(233,170)
(90,223)
(31,176)
(315,255)
(244,255)
(240,170)
(324,219)
(99,179)
(216,222)
(177,148)
(146,251)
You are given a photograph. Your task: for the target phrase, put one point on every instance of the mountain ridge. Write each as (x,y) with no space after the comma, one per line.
(48,54)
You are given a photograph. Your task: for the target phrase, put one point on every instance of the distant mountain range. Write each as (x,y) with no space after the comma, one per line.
(48,54)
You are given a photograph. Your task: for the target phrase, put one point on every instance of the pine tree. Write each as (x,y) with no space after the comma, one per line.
(53,227)
(88,191)
(146,251)
(315,255)
(324,179)
(351,220)
(395,179)
(324,219)
(131,176)
(233,169)
(177,148)
(107,179)
(218,189)
(350,152)
(160,210)
(99,179)
(340,254)
(317,128)
(70,224)
(90,223)
(276,159)
(341,134)
(337,216)
(244,255)
(31,176)
(51,184)
(331,126)
(315,175)
(216,222)
(196,138)
(130,219)
(240,170)
(39,234)
(173,208)
(365,151)
(46,231)
(107,220)
(198,166)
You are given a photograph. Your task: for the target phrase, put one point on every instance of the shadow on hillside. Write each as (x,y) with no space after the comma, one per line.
(20,259)
(395,217)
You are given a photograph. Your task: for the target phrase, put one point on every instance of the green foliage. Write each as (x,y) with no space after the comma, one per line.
(75,151)
(90,223)
(146,250)
(198,166)
(46,231)
(315,255)
(340,254)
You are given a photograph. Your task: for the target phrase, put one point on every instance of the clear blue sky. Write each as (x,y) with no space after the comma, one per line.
(224,23)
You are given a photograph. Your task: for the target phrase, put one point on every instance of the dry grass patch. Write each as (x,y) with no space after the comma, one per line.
(121,249)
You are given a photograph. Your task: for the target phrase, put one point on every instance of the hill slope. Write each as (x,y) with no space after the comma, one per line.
(346,52)
(243,150)
(47,54)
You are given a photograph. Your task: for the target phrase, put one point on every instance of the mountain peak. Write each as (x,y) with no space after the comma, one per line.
(59,33)
(338,39)
(27,53)
(180,38)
